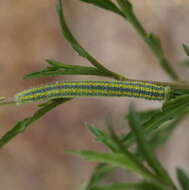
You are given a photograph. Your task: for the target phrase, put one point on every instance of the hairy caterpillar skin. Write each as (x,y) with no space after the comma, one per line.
(62,89)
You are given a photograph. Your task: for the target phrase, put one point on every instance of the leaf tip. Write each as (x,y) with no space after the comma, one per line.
(186,49)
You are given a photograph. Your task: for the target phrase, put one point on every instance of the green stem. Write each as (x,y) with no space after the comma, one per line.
(151,40)
(7,103)
(145,172)
(78,48)
(23,124)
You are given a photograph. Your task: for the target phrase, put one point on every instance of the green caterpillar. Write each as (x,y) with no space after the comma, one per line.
(61,89)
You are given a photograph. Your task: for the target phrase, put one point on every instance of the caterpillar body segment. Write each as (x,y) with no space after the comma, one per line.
(62,89)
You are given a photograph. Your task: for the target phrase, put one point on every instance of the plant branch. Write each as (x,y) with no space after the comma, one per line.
(150,39)
(23,124)
(77,47)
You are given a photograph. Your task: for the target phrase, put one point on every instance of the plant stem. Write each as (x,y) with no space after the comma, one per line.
(151,40)
(78,48)
(23,124)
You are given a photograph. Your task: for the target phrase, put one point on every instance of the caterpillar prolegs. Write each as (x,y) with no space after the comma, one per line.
(62,89)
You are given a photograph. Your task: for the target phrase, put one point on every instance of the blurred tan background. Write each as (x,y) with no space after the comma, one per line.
(29,34)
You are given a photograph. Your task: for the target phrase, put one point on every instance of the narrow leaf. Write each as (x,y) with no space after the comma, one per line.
(99,172)
(150,186)
(171,110)
(145,148)
(183,179)
(57,68)
(23,124)
(117,186)
(60,65)
(151,40)
(164,132)
(155,43)
(131,186)
(116,160)
(102,137)
(105,4)
(77,47)
(144,117)
(186,49)
(61,72)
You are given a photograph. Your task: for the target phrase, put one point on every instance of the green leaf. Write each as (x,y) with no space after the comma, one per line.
(45,73)
(145,148)
(67,33)
(164,132)
(155,43)
(77,47)
(125,5)
(23,124)
(102,137)
(147,114)
(117,186)
(183,179)
(171,109)
(144,117)
(105,4)
(186,49)
(131,186)
(150,39)
(149,186)
(116,160)
(99,172)
(57,68)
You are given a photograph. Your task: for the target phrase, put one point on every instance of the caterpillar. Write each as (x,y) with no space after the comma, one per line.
(61,89)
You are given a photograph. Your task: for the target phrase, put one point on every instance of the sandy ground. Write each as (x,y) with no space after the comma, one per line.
(29,34)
